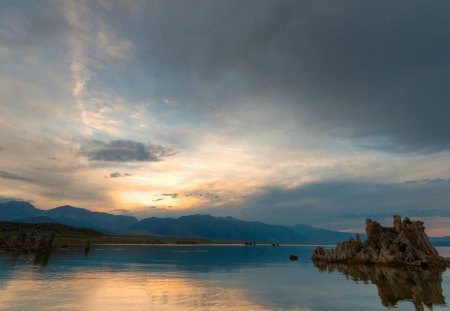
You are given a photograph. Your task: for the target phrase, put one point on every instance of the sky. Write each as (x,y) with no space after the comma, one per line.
(316,112)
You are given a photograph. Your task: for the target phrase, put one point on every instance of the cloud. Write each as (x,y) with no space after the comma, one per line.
(172,195)
(428,181)
(370,72)
(336,204)
(203,195)
(117,175)
(170,102)
(43,22)
(125,151)
(11,176)
(271,95)
(93,45)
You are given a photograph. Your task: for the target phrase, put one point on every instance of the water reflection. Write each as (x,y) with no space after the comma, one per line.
(422,287)
(136,277)
(121,291)
(41,259)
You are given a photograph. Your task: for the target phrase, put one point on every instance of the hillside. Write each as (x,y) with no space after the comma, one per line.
(57,229)
(440,241)
(83,218)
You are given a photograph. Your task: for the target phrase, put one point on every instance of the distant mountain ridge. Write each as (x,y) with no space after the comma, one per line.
(14,210)
(216,228)
(232,229)
(80,217)
(24,212)
(193,226)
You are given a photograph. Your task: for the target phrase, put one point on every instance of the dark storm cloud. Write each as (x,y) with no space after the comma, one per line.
(6,175)
(30,23)
(376,72)
(326,202)
(125,151)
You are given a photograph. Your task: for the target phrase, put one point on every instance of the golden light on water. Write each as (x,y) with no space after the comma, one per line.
(121,291)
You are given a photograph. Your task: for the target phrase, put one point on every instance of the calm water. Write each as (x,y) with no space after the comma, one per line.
(136,277)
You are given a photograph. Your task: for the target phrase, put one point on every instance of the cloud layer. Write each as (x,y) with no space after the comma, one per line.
(11,176)
(372,72)
(282,111)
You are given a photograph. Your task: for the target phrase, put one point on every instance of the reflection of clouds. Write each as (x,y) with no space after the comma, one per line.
(121,291)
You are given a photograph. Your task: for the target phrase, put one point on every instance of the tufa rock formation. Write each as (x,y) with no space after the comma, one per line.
(30,240)
(404,244)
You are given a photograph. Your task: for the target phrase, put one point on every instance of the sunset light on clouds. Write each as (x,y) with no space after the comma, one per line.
(168,108)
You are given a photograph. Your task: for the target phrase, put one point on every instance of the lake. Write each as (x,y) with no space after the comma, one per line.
(210,277)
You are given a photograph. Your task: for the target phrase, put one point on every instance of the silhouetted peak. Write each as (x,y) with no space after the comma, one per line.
(14,204)
(69,207)
(198,216)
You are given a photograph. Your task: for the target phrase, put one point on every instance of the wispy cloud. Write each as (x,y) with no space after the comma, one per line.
(203,195)
(172,195)
(93,45)
(11,176)
(170,102)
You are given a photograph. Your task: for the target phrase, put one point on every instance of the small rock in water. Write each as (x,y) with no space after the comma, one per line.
(293,257)
(87,248)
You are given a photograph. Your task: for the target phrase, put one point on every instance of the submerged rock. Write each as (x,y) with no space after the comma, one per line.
(403,244)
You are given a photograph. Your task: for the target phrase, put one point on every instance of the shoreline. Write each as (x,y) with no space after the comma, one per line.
(60,241)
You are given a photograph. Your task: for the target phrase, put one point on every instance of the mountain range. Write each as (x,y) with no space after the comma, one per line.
(20,211)
(193,226)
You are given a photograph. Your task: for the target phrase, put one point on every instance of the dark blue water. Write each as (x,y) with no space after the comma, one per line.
(137,277)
